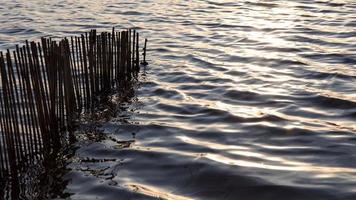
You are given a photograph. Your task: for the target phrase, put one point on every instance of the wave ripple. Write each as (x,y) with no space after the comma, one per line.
(242,99)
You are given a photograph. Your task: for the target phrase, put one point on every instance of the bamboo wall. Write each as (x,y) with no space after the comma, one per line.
(46,86)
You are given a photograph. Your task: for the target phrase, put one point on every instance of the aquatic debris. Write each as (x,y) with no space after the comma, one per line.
(47,86)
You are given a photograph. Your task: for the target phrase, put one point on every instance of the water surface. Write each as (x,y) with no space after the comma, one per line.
(241,100)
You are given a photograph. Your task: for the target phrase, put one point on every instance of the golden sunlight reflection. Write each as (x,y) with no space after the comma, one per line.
(280,162)
(295,121)
(154,192)
(243,111)
(249,112)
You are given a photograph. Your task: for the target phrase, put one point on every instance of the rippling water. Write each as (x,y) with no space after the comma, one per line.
(241,100)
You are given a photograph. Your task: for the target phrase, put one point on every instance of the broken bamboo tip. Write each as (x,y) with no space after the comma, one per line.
(144,62)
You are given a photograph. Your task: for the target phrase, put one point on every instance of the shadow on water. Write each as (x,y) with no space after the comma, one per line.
(39,181)
(46,180)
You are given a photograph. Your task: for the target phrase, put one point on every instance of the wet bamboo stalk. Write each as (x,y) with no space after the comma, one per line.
(29,102)
(37,95)
(8,130)
(144,62)
(113,57)
(86,74)
(21,114)
(74,72)
(82,73)
(133,49)
(3,145)
(137,53)
(131,72)
(41,81)
(13,108)
(91,66)
(25,113)
(4,130)
(118,55)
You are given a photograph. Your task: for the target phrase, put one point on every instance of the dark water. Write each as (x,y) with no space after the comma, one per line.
(241,100)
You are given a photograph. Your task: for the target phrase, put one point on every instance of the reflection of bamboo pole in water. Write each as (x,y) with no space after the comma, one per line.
(45,87)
